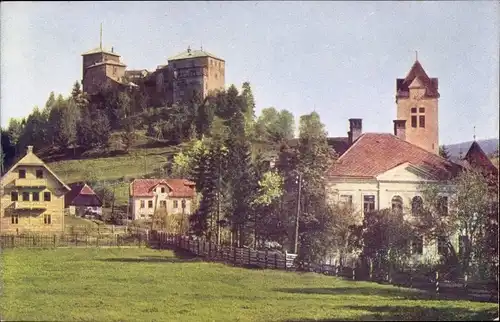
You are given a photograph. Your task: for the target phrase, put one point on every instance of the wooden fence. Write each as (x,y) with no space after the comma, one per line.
(72,240)
(247,257)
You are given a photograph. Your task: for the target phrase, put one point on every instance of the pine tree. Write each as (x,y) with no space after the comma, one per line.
(84,129)
(101,129)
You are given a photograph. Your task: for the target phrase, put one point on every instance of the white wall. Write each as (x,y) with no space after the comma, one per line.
(144,213)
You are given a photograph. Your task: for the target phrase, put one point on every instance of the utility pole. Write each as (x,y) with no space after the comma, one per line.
(183,205)
(296,248)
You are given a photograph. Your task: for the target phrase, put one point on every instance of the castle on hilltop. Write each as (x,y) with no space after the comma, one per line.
(184,74)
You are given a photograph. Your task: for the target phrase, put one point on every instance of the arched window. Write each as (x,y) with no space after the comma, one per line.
(397,203)
(416,205)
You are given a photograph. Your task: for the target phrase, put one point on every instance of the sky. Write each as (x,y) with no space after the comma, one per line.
(340,59)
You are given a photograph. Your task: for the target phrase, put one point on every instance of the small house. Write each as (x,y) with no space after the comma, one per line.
(83,201)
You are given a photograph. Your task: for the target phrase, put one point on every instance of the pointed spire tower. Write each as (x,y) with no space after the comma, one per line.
(417,99)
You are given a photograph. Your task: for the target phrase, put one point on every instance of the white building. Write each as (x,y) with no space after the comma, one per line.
(148,195)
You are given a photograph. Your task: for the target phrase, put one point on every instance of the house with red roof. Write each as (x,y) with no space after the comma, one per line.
(148,195)
(82,201)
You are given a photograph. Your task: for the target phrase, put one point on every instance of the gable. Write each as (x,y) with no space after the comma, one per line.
(406,172)
(417,83)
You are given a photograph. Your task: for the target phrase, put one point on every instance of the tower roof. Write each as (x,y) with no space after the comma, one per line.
(417,71)
(99,50)
(190,53)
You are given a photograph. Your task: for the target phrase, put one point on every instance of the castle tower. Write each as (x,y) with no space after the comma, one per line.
(101,67)
(417,102)
(195,71)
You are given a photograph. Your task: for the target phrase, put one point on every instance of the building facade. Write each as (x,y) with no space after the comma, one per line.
(82,201)
(146,196)
(32,198)
(101,68)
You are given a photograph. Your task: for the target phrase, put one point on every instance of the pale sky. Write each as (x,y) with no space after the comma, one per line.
(340,59)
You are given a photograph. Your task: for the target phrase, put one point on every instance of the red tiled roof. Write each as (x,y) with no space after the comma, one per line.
(180,188)
(375,153)
(431,84)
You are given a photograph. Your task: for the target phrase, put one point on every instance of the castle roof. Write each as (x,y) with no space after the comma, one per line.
(418,73)
(100,50)
(190,53)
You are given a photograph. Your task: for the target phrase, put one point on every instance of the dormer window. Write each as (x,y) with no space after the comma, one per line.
(22,174)
(162,190)
(39,174)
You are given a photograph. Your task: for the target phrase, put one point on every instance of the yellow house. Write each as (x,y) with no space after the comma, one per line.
(32,198)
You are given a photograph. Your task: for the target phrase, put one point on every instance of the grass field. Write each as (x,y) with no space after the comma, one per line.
(151,285)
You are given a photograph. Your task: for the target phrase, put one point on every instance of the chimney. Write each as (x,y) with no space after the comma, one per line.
(30,149)
(112,49)
(400,129)
(355,130)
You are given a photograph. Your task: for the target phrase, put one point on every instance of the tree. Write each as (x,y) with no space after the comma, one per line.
(7,152)
(344,219)
(275,126)
(468,215)
(15,130)
(314,158)
(250,108)
(128,135)
(84,130)
(443,152)
(101,129)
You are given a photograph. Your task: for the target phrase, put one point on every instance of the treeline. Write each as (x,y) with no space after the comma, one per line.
(242,200)
(79,123)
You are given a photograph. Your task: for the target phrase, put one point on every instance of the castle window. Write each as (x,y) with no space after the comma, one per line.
(414,121)
(163,204)
(417,205)
(15,219)
(442,245)
(46,196)
(14,196)
(414,110)
(22,174)
(417,245)
(26,196)
(47,219)
(346,200)
(421,110)
(36,196)
(39,174)
(150,203)
(176,204)
(142,204)
(162,190)
(442,205)
(421,120)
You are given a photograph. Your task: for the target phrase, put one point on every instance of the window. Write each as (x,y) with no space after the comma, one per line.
(421,120)
(142,204)
(15,219)
(346,200)
(163,190)
(39,174)
(36,196)
(163,204)
(414,121)
(14,196)
(176,204)
(462,243)
(397,203)
(22,174)
(442,205)
(47,219)
(414,110)
(150,203)
(26,196)
(442,245)
(417,245)
(46,196)
(416,205)
(421,110)
(114,70)
(368,204)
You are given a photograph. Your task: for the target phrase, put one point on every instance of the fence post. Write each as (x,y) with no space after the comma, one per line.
(97,240)
(336,270)
(54,240)
(411,276)
(234,255)
(354,271)
(198,252)
(465,282)
(276,260)
(371,268)
(265,265)
(249,256)
(437,282)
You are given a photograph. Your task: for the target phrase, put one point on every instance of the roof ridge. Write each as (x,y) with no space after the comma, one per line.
(352,145)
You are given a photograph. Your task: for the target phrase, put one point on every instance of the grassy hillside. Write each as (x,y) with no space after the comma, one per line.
(139,284)
(113,165)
